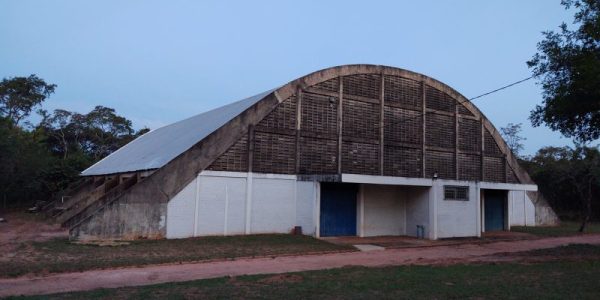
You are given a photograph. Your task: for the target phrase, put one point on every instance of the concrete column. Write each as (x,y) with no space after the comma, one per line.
(361,210)
(478,212)
(318,209)
(433,232)
(248,203)
(196,200)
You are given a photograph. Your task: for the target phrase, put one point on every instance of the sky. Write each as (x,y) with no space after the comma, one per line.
(157,62)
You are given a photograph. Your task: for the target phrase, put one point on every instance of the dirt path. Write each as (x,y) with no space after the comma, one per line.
(184,272)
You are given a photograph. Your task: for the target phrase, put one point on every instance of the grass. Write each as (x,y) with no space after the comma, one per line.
(59,255)
(552,280)
(566,228)
(580,251)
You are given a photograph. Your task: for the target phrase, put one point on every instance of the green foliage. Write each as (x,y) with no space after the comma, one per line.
(40,161)
(569,179)
(20,95)
(568,65)
(512,135)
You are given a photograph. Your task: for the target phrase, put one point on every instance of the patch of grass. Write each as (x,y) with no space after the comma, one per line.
(60,255)
(572,250)
(564,229)
(555,280)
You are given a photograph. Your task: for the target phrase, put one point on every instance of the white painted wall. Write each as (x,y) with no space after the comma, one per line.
(221,205)
(417,209)
(216,203)
(522,209)
(273,205)
(383,210)
(306,204)
(180,213)
(456,218)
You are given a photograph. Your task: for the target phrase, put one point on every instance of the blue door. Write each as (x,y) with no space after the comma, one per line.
(494,209)
(338,209)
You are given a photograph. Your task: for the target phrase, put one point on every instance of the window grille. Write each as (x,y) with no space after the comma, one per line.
(460,193)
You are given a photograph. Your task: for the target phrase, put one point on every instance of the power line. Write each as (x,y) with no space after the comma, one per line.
(457,103)
(504,87)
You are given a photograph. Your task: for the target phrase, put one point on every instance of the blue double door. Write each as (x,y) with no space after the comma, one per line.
(338,209)
(494,209)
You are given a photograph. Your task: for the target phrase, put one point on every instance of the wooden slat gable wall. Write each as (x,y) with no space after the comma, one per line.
(388,125)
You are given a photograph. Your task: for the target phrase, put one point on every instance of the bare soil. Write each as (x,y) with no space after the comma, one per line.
(440,255)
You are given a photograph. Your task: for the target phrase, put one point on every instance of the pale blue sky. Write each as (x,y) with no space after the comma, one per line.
(157,62)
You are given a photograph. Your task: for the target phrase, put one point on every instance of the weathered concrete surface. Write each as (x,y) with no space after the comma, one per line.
(544,214)
(185,272)
(166,182)
(121,220)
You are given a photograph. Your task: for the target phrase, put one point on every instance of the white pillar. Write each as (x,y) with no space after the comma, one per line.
(225,221)
(433,232)
(478,212)
(361,210)
(248,202)
(197,199)
(317,209)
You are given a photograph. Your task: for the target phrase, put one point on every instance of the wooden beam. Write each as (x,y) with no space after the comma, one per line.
(340,122)
(456,140)
(482,149)
(381,121)
(250,147)
(424,127)
(298,126)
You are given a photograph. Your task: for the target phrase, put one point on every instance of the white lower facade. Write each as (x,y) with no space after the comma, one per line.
(232,203)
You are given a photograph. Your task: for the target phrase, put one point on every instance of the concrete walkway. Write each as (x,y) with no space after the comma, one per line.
(184,272)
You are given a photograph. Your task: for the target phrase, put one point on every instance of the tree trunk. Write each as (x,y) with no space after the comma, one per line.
(588,206)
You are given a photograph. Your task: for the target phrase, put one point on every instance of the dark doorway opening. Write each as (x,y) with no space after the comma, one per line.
(338,209)
(494,209)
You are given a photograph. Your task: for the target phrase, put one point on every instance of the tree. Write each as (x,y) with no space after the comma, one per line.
(568,65)
(106,132)
(64,130)
(569,178)
(513,138)
(20,95)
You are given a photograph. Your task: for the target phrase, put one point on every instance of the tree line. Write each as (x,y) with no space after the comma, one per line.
(39,160)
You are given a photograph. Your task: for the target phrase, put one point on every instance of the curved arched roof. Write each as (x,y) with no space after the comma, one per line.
(156,148)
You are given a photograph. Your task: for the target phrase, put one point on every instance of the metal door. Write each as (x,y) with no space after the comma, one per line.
(494,209)
(338,209)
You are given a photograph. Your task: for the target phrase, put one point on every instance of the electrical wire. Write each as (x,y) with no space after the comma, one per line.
(458,102)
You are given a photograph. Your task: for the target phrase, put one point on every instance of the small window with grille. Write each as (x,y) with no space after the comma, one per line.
(458,193)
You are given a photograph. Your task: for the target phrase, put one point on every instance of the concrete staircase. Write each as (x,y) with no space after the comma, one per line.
(91,196)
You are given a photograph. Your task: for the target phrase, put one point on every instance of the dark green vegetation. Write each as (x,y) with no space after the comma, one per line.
(579,251)
(547,280)
(569,179)
(564,229)
(40,160)
(568,67)
(60,255)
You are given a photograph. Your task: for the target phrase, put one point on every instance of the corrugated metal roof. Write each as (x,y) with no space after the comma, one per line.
(157,147)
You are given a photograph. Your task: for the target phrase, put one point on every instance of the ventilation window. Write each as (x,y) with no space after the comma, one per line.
(458,193)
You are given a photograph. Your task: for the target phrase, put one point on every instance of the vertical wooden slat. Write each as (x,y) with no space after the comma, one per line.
(339,122)
(381,122)
(250,148)
(423,115)
(298,126)
(504,163)
(482,149)
(456,104)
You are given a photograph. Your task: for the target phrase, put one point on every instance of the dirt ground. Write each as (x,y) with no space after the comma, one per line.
(22,228)
(439,255)
(394,242)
